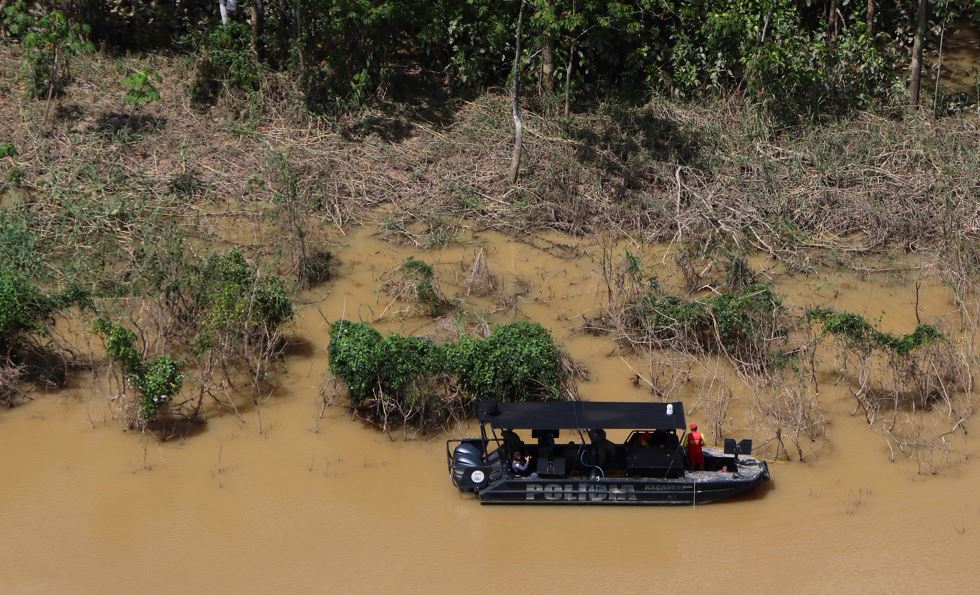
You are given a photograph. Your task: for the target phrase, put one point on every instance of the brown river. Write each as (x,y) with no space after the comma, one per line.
(283,499)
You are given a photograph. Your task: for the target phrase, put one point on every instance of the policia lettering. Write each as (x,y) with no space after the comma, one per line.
(581,492)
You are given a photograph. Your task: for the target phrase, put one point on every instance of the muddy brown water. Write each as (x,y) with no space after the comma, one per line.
(279,499)
(961,58)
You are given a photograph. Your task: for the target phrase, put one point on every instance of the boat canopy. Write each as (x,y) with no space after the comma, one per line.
(583,415)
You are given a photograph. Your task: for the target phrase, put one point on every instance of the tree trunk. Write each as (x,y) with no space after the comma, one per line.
(568,76)
(915,82)
(568,68)
(871,17)
(223,9)
(833,26)
(515,160)
(548,64)
(258,18)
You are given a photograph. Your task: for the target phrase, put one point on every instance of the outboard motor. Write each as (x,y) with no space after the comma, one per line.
(468,470)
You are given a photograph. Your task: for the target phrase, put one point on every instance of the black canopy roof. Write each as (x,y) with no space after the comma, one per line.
(560,415)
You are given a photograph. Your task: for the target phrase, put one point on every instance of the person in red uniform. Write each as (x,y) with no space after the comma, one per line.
(695,456)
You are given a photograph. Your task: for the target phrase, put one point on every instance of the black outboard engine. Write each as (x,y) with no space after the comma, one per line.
(469,472)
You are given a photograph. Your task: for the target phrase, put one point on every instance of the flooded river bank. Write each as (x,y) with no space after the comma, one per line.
(288,496)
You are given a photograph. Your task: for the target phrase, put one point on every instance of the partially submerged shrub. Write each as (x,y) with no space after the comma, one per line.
(415,281)
(157,380)
(219,312)
(25,343)
(412,380)
(739,324)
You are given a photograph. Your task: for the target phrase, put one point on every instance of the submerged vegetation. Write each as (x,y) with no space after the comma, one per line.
(397,380)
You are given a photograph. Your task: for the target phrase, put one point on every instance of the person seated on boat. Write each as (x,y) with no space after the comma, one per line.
(695,455)
(512,442)
(519,463)
(603,449)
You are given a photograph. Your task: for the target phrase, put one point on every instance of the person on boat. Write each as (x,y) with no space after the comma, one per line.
(695,456)
(519,463)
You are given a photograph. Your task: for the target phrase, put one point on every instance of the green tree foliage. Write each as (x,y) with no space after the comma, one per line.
(517,362)
(784,54)
(157,380)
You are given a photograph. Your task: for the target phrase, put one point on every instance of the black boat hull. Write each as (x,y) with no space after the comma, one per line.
(619,490)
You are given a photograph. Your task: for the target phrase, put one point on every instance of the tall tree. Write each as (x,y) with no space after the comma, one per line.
(915,82)
(515,160)
(871,17)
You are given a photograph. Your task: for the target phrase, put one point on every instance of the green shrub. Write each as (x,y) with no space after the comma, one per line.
(7,149)
(232,302)
(140,89)
(517,362)
(51,42)
(156,380)
(26,309)
(23,308)
(227,61)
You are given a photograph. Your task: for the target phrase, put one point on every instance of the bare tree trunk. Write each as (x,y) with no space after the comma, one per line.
(515,160)
(916,68)
(833,26)
(258,18)
(568,68)
(548,64)
(935,113)
(226,7)
(568,76)
(871,17)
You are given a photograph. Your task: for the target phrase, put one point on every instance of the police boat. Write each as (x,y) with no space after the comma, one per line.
(650,466)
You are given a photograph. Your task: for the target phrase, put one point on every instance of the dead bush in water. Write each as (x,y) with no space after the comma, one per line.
(415,282)
(902,379)
(412,381)
(480,281)
(790,408)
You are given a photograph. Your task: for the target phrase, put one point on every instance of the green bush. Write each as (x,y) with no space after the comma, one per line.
(26,309)
(7,149)
(140,89)
(517,362)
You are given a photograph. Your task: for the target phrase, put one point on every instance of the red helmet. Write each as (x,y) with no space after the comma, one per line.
(694,427)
